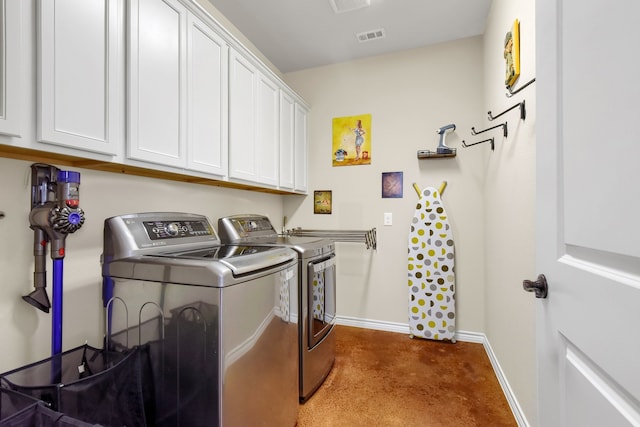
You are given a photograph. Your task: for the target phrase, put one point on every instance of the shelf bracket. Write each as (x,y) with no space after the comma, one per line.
(513,92)
(490,140)
(523,112)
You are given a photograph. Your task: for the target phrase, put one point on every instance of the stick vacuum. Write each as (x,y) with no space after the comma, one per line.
(55,213)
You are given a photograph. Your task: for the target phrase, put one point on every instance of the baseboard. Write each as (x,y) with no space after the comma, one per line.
(506,388)
(464,336)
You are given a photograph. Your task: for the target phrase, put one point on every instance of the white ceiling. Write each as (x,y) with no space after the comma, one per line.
(299,34)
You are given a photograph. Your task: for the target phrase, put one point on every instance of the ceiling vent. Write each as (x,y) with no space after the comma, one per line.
(370,35)
(341,6)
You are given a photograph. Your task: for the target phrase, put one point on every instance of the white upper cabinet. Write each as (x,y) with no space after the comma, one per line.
(268,132)
(157,84)
(10,80)
(287,139)
(207,56)
(242,117)
(177,72)
(253,123)
(80,96)
(301,148)
(293,144)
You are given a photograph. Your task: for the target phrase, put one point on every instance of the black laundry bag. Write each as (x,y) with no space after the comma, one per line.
(18,410)
(185,365)
(91,385)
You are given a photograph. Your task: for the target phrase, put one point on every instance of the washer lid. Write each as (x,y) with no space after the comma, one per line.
(202,267)
(239,259)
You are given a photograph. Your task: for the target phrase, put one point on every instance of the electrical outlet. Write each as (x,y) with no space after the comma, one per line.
(388,218)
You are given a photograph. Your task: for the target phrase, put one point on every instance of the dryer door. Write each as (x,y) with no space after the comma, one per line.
(321,275)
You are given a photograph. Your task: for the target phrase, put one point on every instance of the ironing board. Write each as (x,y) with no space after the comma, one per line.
(431,269)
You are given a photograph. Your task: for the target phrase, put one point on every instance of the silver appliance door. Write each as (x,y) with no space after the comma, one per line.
(321,279)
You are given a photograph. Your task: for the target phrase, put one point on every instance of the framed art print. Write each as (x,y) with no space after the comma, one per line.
(322,202)
(392,185)
(351,140)
(512,54)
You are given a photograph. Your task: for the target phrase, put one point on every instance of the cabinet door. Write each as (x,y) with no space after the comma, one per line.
(301,148)
(207,56)
(157,87)
(287,139)
(80,88)
(268,135)
(10,81)
(242,118)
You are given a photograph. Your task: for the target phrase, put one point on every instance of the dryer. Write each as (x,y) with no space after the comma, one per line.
(316,292)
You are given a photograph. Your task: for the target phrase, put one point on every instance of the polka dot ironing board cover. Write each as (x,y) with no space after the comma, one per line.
(431,270)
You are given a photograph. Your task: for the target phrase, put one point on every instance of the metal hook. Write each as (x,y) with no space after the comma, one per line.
(505,131)
(513,92)
(523,113)
(491,140)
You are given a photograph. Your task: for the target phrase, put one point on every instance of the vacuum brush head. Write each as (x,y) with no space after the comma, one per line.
(39,299)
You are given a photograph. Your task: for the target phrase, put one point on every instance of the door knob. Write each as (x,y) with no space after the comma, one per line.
(539,286)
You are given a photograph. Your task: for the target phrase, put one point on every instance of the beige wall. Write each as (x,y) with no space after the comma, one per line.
(490,199)
(409,95)
(509,196)
(490,196)
(25,331)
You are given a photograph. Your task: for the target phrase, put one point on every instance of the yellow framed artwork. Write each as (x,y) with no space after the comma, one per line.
(512,54)
(322,202)
(351,140)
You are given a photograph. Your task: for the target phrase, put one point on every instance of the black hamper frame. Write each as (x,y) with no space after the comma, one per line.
(91,385)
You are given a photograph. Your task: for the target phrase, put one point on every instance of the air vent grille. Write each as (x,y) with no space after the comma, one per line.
(341,6)
(368,36)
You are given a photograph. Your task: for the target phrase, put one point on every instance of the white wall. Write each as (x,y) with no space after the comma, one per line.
(509,196)
(409,95)
(26,332)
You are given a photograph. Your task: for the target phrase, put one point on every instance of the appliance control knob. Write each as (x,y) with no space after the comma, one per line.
(173,229)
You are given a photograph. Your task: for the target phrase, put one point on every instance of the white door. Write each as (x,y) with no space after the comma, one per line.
(588,212)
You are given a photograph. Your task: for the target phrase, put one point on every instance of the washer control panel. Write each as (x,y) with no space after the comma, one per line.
(157,230)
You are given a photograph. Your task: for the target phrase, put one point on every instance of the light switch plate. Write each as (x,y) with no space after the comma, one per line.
(388,218)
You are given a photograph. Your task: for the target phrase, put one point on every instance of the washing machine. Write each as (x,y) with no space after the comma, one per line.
(316,292)
(220,320)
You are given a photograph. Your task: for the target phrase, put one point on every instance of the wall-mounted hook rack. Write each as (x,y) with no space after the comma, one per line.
(505,131)
(490,140)
(523,112)
(513,92)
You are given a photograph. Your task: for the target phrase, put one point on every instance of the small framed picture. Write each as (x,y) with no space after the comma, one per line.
(322,202)
(392,184)
(512,54)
